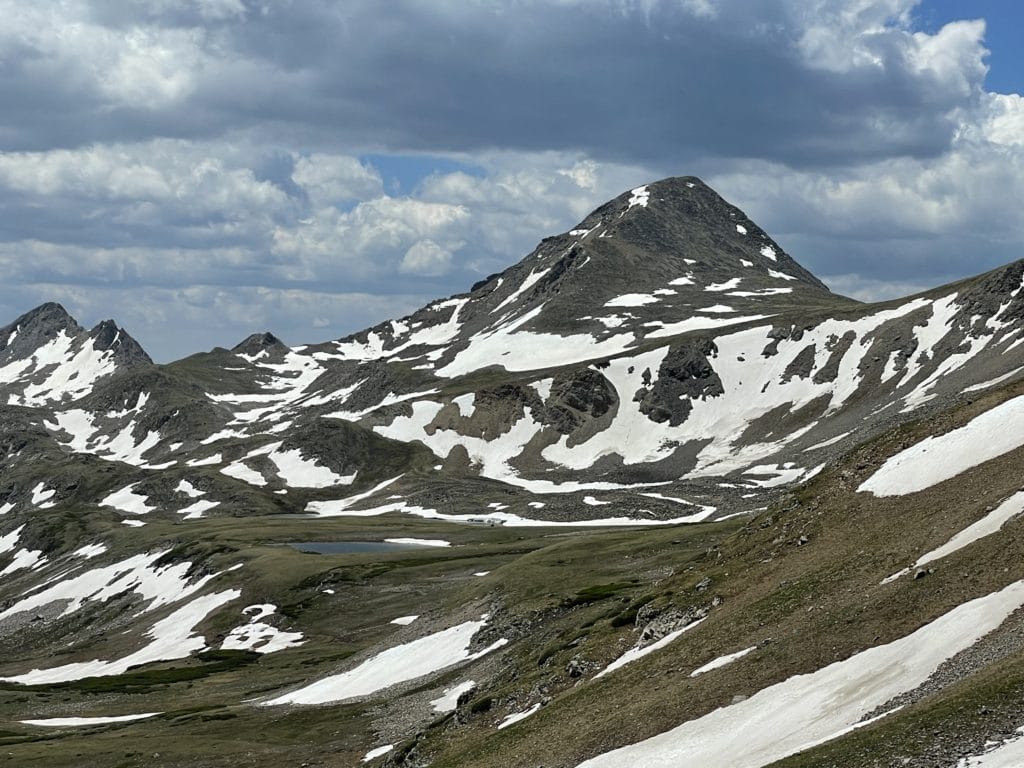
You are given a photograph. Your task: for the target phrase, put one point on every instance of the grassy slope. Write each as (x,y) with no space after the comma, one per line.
(563,597)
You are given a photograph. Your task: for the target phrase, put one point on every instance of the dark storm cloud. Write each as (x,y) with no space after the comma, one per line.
(661,85)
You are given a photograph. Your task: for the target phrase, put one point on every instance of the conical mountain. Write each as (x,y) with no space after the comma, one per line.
(665,250)
(661,259)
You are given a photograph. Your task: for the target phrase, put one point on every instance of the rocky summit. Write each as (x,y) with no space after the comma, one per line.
(653,496)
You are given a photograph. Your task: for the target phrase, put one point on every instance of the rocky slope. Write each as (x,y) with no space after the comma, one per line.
(655,421)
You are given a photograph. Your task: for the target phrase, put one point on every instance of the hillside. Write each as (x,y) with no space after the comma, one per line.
(653,486)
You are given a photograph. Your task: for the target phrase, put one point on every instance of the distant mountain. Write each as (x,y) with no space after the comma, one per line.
(45,356)
(654,421)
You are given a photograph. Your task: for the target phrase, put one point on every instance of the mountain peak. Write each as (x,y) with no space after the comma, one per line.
(34,329)
(56,359)
(652,258)
(257,343)
(683,216)
(47,320)
(659,260)
(107,335)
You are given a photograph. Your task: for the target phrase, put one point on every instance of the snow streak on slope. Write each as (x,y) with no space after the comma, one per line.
(516,350)
(936,459)
(170,638)
(285,384)
(492,456)
(722,661)
(408,661)
(754,386)
(806,710)
(122,445)
(697,323)
(517,717)
(1009,754)
(85,722)
(375,347)
(154,584)
(986,526)
(638,652)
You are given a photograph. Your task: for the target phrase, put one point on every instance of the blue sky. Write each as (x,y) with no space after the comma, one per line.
(203,169)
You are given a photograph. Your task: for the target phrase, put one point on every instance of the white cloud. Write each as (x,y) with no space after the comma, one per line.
(871,290)
(185,174)
(142,66)
(425,257)
(1003,122)
(368,240)
(336,179)
(148,67)
(953,55)
(220,9)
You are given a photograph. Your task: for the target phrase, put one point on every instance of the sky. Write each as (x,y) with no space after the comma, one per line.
(200,170)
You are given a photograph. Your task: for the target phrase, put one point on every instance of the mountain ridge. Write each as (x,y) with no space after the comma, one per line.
(582,508)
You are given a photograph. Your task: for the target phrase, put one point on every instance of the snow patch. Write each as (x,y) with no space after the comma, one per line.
(516,717)
(399,664)
(126,500)
(632,300)
(722,661)
(939,458)
(449,701)
(256,635)
(639,196)
(84,722)
(638,652)
(809,709)
(420,542)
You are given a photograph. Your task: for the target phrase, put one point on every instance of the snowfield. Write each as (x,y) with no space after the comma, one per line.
(76,722)
(1009,754)
(399,664)
(939,458)
(810,709)
(170,638)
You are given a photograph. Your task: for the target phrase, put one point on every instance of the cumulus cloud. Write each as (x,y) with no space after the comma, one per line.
(425,257)
(945,218)
(336,179)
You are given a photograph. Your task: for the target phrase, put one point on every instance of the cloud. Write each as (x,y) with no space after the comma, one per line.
(425,257)
(946,217)
(805,83)
(336,179)
(220,153)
